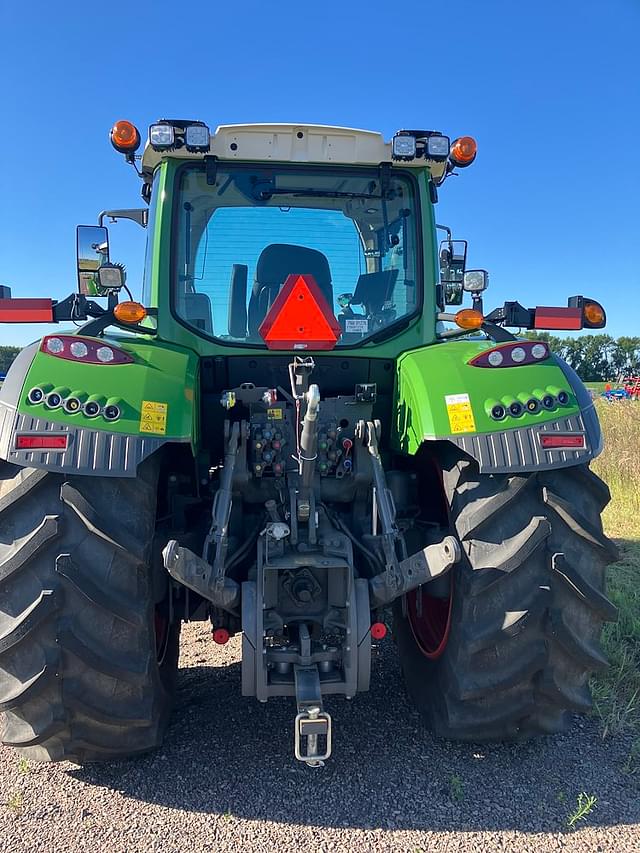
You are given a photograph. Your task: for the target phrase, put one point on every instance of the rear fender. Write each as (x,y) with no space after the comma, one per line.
(440,396)
(156,394)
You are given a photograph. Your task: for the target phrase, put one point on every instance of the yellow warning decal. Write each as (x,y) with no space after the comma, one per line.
(274,414)
(460,413)
(153,417)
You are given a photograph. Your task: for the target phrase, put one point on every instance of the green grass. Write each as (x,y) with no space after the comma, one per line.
(617,691)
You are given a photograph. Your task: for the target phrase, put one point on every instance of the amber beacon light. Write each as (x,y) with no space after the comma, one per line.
(463,151)
(125,137)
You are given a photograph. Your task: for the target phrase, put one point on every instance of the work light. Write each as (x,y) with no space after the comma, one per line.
(437,147)
(196,138)
(162,137)
(403,147)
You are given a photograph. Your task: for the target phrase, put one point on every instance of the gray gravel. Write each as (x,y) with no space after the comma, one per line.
(226,779)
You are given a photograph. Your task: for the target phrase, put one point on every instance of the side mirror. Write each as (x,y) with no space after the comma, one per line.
(92,252)
(453,259)
(475,281)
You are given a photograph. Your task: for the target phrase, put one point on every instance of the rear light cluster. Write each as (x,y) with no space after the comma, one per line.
(512,355)
(75,403)
(531,404)
(85,350)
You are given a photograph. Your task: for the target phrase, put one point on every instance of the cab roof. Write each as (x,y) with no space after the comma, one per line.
(291,143)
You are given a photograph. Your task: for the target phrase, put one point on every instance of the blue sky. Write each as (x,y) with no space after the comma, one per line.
(551,91)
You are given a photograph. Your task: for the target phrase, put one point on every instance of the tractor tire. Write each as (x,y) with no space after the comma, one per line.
(88,655)
(508,652)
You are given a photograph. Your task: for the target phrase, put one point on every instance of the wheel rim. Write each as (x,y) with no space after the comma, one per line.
(431,622)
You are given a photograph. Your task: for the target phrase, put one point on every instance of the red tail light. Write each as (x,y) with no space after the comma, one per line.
(86,350)
(558,440)
(42,442)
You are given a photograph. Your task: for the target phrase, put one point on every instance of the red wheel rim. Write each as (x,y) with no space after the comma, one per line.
(431,627)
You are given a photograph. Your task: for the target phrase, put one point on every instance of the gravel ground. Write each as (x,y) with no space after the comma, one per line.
(226,780)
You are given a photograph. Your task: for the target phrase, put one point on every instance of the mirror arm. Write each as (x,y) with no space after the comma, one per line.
(135,214)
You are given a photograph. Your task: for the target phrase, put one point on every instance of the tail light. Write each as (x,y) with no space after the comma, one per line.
(85,350)
(558,440)
(512,355)
(41,441)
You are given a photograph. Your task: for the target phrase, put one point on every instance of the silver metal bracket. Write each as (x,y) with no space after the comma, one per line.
(311,721)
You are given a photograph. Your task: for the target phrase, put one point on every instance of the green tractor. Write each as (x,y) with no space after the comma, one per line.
(298,435)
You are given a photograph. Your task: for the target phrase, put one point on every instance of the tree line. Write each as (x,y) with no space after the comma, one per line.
(595,358)
(7,354)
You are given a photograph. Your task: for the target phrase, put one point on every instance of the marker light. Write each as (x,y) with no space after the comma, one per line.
(162,137)
(463,151)
(196,138)
(125,137)
(469,318)
(129,312)
(403,147)
(594,315)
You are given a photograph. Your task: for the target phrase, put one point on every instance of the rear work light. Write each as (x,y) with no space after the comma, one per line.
(42,441)
(559,440)
(512,355)
(84,350)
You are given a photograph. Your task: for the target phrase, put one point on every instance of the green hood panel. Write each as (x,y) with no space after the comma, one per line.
(440,395)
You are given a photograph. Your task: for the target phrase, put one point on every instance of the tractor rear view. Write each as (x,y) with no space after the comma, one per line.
(298,434)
